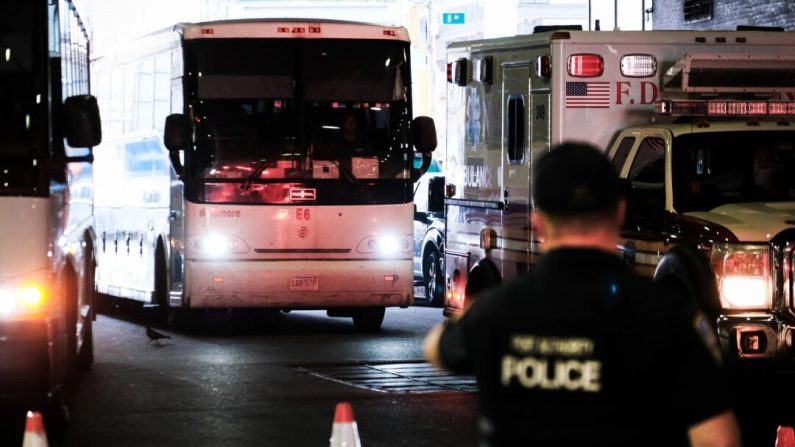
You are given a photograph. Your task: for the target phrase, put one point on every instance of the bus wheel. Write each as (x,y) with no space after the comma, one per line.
(57,415)
(164,315)
(85,358)
(186,320)
(368,319)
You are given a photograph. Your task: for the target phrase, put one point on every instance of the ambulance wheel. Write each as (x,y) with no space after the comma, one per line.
(368,319)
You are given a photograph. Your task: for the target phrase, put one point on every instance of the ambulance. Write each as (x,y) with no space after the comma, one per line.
(699,125)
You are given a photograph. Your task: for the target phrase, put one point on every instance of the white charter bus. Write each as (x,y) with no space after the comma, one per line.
(48,124)
(281,178)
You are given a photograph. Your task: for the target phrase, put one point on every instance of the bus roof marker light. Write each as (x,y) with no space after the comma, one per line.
(638,65)
(585,65)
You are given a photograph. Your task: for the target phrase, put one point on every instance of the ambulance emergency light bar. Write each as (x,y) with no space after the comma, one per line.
(724,108)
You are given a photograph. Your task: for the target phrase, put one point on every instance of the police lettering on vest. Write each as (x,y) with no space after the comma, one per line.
(552,363)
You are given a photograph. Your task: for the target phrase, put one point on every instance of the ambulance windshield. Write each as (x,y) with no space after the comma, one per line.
(714,169)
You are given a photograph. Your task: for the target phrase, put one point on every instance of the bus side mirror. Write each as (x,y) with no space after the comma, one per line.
(176,132)
(175,137)
(424,134)
(81,121)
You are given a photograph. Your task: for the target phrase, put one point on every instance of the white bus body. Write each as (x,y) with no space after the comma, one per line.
(267,205)
(510,100)
(47,260)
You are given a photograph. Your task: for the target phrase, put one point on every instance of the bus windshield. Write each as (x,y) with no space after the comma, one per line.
(713,169)
(22,105)
(303,109)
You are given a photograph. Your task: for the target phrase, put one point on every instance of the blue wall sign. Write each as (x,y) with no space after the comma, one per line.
(453,18)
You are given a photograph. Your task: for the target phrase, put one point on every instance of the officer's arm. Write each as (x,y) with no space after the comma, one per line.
(721,430)
(430,347)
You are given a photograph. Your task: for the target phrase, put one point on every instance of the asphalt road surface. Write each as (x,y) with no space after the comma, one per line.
(265,381)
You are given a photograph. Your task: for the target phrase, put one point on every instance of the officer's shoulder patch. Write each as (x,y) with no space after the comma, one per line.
(706,333)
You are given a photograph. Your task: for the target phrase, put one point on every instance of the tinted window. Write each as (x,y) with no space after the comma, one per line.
(714,169)
(516,129)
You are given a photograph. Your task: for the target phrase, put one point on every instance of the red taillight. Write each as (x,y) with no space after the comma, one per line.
(586,65)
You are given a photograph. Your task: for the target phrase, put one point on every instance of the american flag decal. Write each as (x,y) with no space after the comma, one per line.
(584,95)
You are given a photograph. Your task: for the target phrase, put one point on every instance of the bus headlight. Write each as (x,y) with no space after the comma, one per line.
(216,246)
(743,275)
(385,244)
(21,300)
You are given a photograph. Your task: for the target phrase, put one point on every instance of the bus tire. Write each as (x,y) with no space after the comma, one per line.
(164,316)
(85,358)
(185,319)
(57,415)
(368,319)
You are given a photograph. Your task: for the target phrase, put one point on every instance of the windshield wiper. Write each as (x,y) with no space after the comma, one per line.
(343,169)
(249,180)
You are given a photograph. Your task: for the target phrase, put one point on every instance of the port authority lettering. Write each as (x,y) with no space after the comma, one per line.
(553,363)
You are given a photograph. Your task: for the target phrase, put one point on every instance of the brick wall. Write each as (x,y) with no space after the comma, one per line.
(726,14)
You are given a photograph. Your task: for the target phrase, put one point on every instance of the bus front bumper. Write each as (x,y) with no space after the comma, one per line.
(299,284)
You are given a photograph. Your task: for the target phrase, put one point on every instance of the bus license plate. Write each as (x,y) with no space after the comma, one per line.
(303,283)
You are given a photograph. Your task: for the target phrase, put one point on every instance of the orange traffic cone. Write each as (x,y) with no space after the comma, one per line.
(344,432)
(35,436)
(785,436)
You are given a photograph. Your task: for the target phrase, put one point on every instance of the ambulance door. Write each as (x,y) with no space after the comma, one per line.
(539,145)
(643,158)
(515,168)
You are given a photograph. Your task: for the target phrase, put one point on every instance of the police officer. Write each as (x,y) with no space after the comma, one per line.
(581,351)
